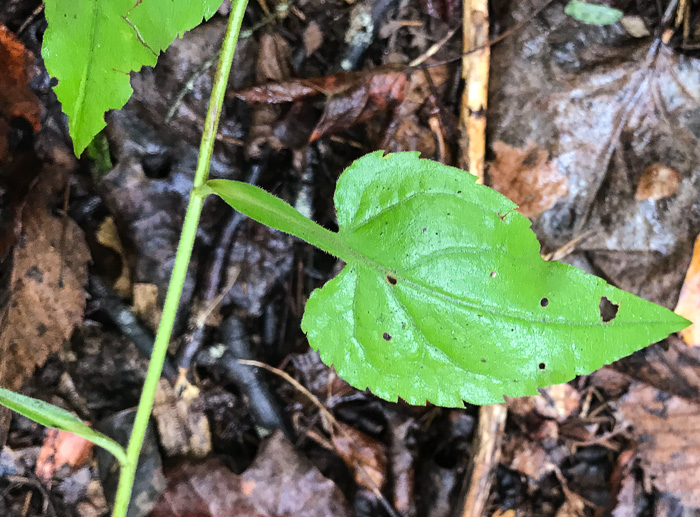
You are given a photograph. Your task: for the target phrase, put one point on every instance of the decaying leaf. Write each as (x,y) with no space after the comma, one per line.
(47,285)
(146,304)
(375,94)
(16,99)
(556,402)
(527,177)
(61,448)
(279,483)
(405,131)
(313,38)
(527,457)
(182,426)
(108,235)
(602,117)
(657,182)
(365,456)
(688,304)
(665,427)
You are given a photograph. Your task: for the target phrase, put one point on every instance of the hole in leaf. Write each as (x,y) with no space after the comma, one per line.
(386,336)
(391,279)
(493,274)
(544,302)
(542,366)
(483,360)
(608,310)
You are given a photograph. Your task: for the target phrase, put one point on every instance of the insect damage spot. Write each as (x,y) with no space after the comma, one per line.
(493,274)
(544,302)
(608,310)
(542,366)
(386,336)
(391,279)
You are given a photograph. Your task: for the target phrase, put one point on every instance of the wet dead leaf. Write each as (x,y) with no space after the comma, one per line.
(688,304)
(527,457)
(376,93)
(16,99)
(353,97)
(365,456)
(313,38)
(146,304)
(674,368)
(61,448)
(405,130)
(206,490)
(47,288)
(445,10)
(274,58)
(635,26)
(108,235)
(665,428)
(657,182)
(279,483)
(183,428)
(527,177)
(283,482)
(604,103)
(556,402)
(629,498)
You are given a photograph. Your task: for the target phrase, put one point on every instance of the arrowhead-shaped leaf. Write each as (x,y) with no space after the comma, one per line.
(58,418)
(445,296)
(91,48)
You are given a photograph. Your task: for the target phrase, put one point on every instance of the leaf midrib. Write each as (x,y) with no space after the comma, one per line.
(432,290)
(82,89)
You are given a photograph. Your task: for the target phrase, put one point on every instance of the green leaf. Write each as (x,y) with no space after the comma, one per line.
(91,48)
(592,14)
(58,418)
(445,296)
(159,22)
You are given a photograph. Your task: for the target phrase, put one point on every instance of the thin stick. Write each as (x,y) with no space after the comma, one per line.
(487,454)
(497,39)
(475,72)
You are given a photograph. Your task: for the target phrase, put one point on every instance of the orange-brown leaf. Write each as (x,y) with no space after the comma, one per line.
(61,448)
(527,177)
(16,99)
(689,301)
(657,182)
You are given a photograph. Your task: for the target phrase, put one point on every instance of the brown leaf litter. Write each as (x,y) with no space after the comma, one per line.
(527,177)
(47,286)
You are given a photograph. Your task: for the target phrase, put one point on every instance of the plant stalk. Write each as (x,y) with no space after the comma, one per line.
(182,261)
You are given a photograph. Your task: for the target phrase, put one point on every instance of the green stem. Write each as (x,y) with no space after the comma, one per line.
(182,261)
(263,207)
